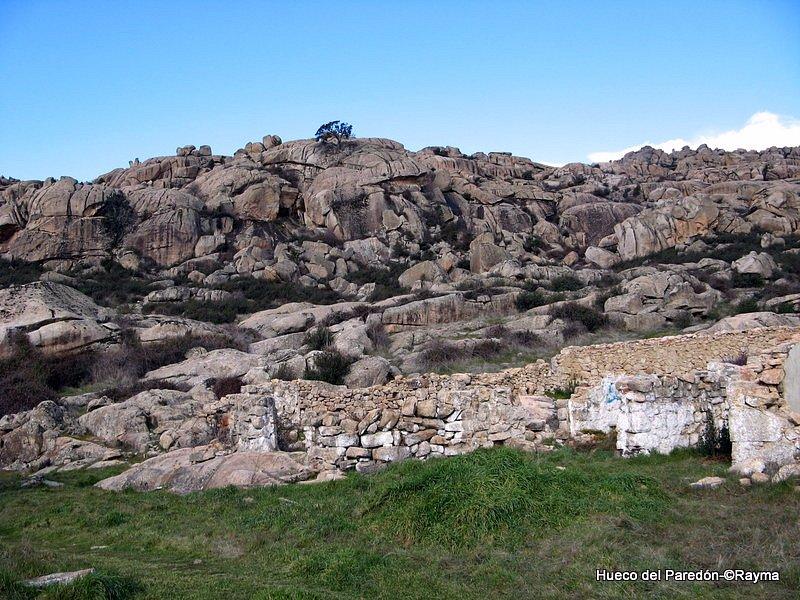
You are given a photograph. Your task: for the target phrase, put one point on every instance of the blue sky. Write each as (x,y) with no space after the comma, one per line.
(87,86)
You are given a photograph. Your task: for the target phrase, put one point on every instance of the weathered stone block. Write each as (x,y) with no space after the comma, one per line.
(391,453)
(373,440)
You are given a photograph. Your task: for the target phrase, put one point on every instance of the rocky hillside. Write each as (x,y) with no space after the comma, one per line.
(351,262)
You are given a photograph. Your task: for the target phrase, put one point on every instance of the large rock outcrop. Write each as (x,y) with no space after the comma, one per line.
(54,317)
(171,211)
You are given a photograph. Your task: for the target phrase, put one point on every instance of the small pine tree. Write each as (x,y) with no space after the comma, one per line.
(715,443)
(334,131)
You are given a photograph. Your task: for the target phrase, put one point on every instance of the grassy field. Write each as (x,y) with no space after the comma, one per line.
(495,523)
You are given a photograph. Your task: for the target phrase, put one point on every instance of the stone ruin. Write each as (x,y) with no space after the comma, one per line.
(681,381)
(652,395)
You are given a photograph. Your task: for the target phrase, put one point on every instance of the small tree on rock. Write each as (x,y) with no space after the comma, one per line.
(334,132)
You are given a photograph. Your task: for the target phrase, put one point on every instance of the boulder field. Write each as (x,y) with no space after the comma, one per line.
(194,296)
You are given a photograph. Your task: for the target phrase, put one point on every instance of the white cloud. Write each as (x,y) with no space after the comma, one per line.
(762,130)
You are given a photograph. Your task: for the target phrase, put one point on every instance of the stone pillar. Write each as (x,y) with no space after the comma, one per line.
(255,424)
(791,379)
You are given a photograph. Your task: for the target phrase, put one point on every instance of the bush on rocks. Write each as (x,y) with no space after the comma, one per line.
(530,299)
(386,281)
(566,283)
(223,311)
(319,338)
(226,385)
(747,305)
(592,319)
(18,272)
(28,376)
(330,366)
(284,373)
(377,334)
(715,443)
(747,280)
(113,285)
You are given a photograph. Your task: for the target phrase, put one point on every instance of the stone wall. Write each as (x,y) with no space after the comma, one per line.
(763,425)
(335,429)
(652,413)
(656,394)
(673,355)
(658,413)
(421,416)
(254,423)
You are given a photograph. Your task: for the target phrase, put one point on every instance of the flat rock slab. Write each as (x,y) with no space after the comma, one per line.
(180,472)
(707,482)
(58,578)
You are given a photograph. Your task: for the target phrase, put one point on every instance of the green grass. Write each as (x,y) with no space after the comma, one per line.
(94,586)
(500,497)
(494,523)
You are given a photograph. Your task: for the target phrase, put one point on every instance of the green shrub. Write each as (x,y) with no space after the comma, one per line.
(18,272)
(563,393)
(518,339)
(747,280)
(683,320)
(789,262)
(566,283)
(112,286)
(377,334)
(121,368)
(722,246)
(736,359)
(248,295)
(530,299)
(28,376)
(487,349)
(146,357)
(11,588)
(533,242)
(330,366)
(261,294)
(590,318)
(600,299)
(440,352)
(747,305)
(319,338)
(715,443)
(284,373)
(525,339)
(455,233)
(220,311)
(386,281)
(118,217)
(225,386)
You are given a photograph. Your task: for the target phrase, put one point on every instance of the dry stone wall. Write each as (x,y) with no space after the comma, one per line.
(650,403)
(658,413)
(651,413)
(655,394)
(763,424)
(673,355)
(418,417)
